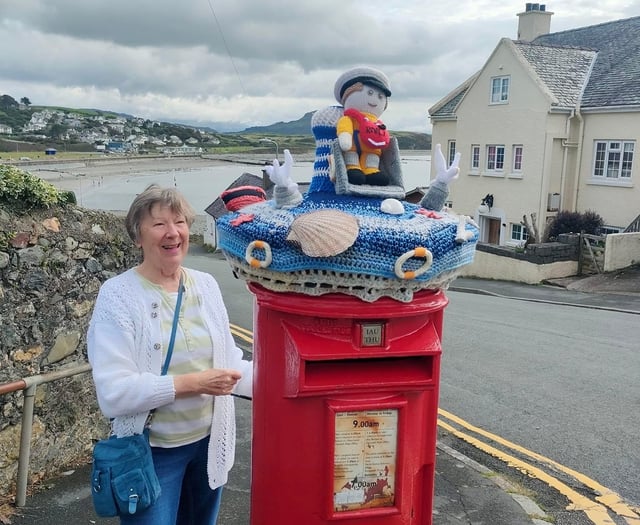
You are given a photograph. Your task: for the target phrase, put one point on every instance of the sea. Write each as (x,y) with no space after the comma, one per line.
(203,185)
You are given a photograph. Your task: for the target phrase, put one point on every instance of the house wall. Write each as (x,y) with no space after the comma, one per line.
(210,234)
(524,120)
(617,204)
(621,250)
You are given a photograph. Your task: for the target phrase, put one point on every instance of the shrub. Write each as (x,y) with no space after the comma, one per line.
(575,222)
(21,189)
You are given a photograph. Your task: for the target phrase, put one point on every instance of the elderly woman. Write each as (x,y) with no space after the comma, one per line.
(192,429)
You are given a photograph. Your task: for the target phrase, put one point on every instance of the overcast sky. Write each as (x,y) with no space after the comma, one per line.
(251,62)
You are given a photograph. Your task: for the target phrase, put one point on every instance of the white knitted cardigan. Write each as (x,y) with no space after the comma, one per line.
(124,346)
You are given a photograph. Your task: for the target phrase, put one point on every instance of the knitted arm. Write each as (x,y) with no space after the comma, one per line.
(286,192)
(344,131)
(439,189)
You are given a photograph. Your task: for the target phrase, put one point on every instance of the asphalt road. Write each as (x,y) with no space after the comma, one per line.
(558,380)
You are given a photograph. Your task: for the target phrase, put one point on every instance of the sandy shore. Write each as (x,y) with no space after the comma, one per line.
(92,175)
(67,174)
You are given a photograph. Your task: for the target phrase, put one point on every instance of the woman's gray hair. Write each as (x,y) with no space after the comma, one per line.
(145,201)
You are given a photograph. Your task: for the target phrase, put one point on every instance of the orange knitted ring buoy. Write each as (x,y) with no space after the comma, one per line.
(258,263)
(419,252)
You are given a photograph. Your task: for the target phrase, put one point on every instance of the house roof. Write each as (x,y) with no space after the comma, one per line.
(615,78)
(562,70)
(598,66)
(446,108)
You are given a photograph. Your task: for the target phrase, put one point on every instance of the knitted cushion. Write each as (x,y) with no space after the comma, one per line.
(387,249)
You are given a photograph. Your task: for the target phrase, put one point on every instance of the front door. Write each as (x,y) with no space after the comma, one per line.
(494,231)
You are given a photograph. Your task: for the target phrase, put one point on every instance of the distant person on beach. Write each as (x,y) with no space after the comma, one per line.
(192,428)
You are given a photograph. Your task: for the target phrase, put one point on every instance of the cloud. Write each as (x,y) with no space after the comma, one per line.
(253,62)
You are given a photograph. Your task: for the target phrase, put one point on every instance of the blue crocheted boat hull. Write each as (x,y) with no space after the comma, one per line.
(382,239)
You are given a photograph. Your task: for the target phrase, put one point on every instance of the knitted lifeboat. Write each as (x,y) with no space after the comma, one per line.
(364,241)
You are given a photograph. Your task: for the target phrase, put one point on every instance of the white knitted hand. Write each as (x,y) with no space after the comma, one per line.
(345,140)
(280,174)
(443,173)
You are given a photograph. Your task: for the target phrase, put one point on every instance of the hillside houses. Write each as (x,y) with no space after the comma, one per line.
(130,134)
(551,122)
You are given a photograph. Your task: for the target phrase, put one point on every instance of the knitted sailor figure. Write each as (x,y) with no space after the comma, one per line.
(353,232)
(363,92)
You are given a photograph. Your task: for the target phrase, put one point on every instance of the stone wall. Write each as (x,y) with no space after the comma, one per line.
(52,263)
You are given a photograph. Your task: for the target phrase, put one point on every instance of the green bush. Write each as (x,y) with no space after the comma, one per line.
(574,222)
(21,189)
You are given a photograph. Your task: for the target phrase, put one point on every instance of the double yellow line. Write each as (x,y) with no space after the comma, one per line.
(595,510)
(242,333)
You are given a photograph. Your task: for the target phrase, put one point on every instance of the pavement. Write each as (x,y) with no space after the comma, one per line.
(465,491)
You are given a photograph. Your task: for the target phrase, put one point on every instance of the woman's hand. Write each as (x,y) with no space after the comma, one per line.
(214,381)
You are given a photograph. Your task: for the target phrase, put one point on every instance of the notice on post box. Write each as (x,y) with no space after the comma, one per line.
(365,459)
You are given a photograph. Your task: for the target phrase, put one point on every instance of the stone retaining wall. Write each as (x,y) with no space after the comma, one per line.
(52,263)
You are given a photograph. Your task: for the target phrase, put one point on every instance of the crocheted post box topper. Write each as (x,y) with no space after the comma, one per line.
(351,235)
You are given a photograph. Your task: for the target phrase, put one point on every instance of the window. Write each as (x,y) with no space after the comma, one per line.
(495,158)
(475,157)
(499,90)
(606,230)
(518,232)
(452,151)
(517,158)
(613,160)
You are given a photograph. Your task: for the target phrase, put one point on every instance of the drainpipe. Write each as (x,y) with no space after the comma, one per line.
(578,155)
(565,155)
(580,137)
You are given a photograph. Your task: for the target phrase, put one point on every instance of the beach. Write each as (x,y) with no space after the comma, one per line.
(68,175)
(110,182)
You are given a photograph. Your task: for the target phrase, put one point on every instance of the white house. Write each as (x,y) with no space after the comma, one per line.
(549,123)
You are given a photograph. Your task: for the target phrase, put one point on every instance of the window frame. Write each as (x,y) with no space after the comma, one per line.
(475,158)
(613,161)
(451,151)
(499,89)
(522,234)
(494,164)
(516,161)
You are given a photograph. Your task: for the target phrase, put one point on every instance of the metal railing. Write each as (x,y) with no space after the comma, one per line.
(30,385)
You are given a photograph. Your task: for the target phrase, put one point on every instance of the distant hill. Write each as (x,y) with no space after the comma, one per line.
(302,126)
(58,129)
(406,139)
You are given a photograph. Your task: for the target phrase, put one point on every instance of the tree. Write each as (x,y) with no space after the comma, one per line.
(7,102)
(25,101)
(575,222)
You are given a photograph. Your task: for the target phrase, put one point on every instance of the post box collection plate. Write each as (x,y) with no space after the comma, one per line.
(371,334)
(365,452)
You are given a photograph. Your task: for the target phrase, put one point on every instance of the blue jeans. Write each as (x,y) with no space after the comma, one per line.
(186,498)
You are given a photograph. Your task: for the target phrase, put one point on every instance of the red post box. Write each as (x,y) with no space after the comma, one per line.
(344,408)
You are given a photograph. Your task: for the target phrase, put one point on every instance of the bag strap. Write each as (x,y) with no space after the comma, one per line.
(167,360)
(176,316)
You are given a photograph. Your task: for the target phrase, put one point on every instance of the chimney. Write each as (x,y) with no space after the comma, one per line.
(535,21)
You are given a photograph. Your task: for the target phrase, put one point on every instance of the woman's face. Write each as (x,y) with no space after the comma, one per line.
(164,236)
